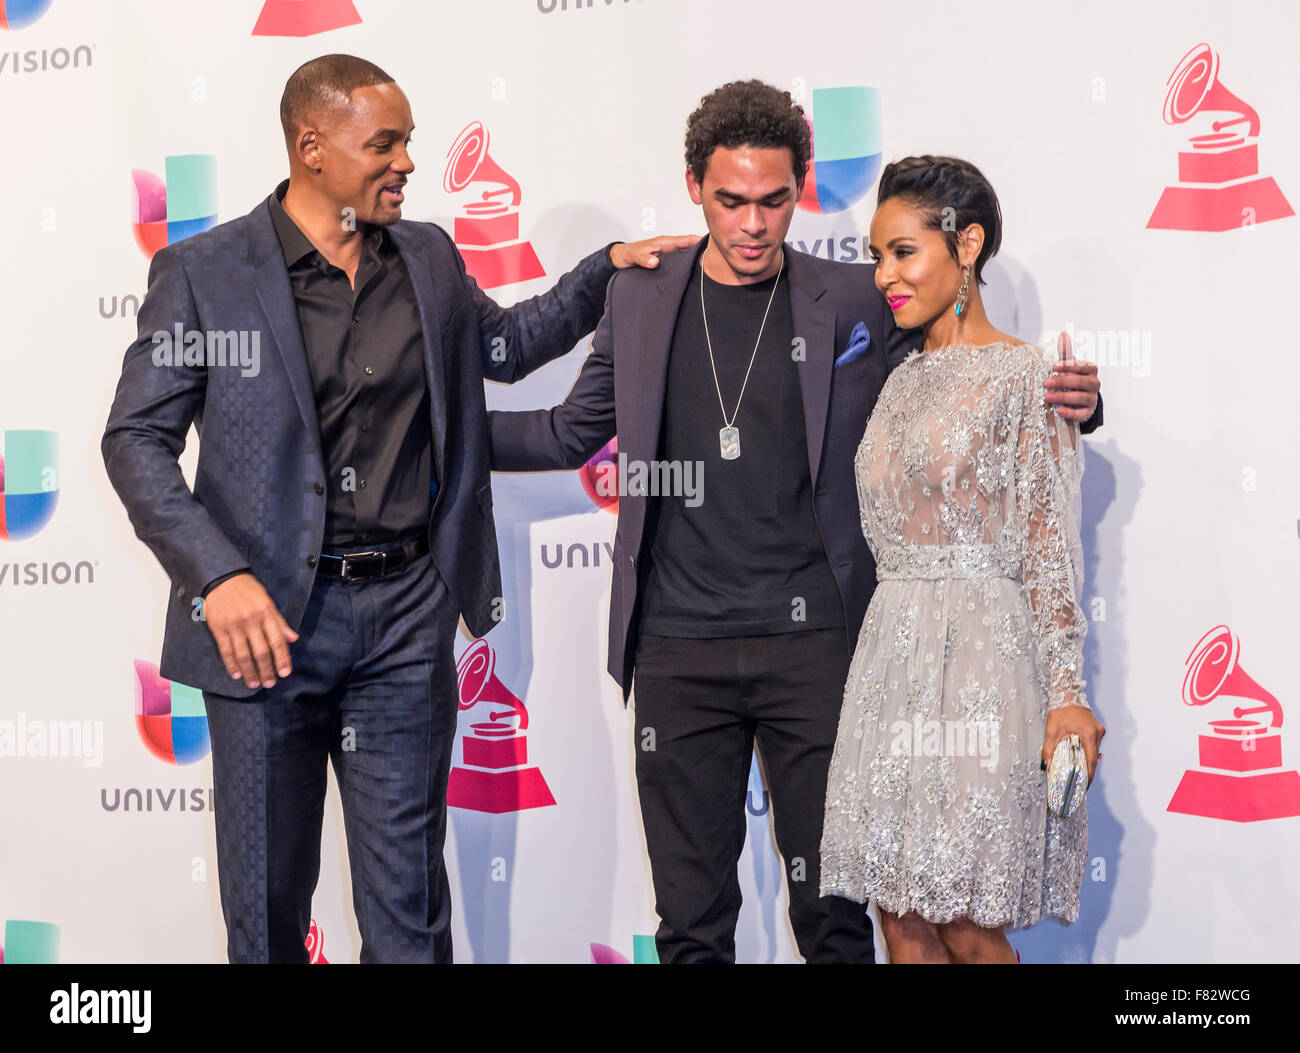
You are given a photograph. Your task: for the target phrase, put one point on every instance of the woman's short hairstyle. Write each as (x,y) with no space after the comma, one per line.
(951,194)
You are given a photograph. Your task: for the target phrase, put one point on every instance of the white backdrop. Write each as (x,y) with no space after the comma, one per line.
(1190,492)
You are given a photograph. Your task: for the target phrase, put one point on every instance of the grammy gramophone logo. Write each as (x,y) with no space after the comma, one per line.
(304,18)
(1219,185)
(495,775)
(1240,774)
(487,229)
(599,476)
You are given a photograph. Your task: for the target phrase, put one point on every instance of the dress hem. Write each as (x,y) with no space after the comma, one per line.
(1063,916)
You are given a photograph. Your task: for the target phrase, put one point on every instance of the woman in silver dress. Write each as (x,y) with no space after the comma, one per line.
(968,667)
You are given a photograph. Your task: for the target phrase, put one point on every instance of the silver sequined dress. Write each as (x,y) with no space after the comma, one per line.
(968,486)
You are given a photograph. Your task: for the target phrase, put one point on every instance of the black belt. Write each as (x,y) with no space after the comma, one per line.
(348,565)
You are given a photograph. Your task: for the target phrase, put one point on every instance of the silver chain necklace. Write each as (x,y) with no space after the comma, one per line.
(729,434)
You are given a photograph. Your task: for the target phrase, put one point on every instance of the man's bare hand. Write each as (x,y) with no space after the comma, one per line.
(646,253)
(251,634)
(1075,387)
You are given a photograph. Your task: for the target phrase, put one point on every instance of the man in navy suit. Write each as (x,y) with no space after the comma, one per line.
(332,358)
(737,608)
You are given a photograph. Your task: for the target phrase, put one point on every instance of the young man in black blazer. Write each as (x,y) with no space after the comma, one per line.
(738,607)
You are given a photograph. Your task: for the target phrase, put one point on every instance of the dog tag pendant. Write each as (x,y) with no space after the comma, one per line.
(729,438)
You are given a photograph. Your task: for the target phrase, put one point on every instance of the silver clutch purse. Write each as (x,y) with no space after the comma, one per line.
(1067,777)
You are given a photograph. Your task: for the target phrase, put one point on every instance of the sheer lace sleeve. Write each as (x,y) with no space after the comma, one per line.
(1049,470)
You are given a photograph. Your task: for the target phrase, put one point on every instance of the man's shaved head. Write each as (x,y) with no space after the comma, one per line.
(322,86)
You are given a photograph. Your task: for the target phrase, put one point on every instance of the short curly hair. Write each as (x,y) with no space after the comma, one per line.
(747,113)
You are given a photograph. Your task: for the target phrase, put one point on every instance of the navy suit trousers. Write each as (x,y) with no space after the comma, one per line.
(373,691)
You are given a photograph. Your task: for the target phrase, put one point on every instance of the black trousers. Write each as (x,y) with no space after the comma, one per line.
(701,705)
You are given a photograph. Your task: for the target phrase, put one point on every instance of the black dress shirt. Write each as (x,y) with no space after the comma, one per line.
(365,348)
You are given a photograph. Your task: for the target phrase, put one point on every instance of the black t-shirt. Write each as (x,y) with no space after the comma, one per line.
(743,557)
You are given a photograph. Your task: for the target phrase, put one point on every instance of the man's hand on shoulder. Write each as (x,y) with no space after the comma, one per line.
(646,253)
(1074,388)
(251,634)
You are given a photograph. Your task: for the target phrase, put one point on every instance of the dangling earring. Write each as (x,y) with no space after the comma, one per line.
(964,292)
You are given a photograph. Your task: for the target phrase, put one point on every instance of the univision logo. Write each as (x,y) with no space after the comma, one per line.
(847,148)
(170,717)
(644,952)
(19,14)
(577,554)
(30,943)
(29,482)
(173,725)
(165,211)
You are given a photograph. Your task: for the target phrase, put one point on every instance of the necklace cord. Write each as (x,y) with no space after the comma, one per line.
(753,355)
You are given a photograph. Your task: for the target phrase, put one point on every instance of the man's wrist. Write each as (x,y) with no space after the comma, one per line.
(1094,421)
(224,577)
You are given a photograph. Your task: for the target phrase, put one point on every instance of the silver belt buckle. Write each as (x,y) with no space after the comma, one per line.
(354,557)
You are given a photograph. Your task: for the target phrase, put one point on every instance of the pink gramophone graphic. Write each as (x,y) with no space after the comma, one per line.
(1218,178)
(304,18)
(316,945)
(1240,776)
(488,232)
(599,476)
(495,776)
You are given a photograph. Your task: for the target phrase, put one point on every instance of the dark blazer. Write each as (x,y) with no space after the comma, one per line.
(622,386)
(259,487)
(621,390)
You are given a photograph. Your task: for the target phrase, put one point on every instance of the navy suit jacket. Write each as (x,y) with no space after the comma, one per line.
(621,390)
(259,487)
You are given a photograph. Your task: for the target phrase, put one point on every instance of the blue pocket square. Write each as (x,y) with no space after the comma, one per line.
(859,341)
